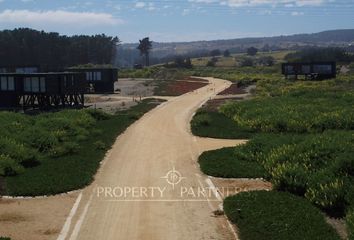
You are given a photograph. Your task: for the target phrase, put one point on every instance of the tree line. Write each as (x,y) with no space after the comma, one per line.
(320,54)
(51,51)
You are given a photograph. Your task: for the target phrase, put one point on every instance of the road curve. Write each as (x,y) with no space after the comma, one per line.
(140,160)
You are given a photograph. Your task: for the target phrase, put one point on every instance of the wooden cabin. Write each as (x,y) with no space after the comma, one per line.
(312,71)
(99,80)
(41,90)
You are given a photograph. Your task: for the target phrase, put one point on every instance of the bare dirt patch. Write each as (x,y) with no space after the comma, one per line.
(34,219)
(228,187)
(12,217)
(233,89)
(339,225)
(214,104)
(177,87)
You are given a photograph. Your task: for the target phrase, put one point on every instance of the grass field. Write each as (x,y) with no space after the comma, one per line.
(217,125)
(299,111)
(74,166)
(223,163)
(265,215)
(234,59)
(302,140)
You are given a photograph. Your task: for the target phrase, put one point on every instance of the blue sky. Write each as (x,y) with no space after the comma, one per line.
(178,20)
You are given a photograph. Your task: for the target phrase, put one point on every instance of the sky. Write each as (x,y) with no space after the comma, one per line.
(178,20)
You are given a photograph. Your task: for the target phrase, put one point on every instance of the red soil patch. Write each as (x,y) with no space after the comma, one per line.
(214,104)
(177,88)
(233,89)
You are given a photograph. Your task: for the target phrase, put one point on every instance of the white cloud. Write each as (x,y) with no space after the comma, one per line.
(58,17)
(185,12)
(250,3)
(297,13)
(140,5)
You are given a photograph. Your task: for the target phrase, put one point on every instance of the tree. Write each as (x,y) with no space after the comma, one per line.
(145,45)
(210,63)
(54,52)
(215,52)
(188,63)
(320,54)
(246,62)
(252,51)
(266,61)
(227,53)
(180,62)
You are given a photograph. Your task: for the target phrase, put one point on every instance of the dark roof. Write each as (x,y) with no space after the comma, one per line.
(39,74)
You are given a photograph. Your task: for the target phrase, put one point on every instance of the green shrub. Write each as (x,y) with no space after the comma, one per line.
(40,139)
(276,215)
(100,145)
(201,120)
(318,167)
(224,163)
(98,115)
(63,149)
(21,153)
(315,166)
(291,177)
(9,166)
(302,111)
(134,115)
(72,163)
(326,190)
(216,125)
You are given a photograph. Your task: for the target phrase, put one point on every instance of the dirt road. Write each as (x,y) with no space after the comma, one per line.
(134,197)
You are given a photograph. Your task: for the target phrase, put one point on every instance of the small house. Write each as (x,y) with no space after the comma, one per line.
(42,90)
(313,71)
(99,80)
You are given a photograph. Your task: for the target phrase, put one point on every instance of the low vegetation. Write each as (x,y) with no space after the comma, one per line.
(217,125)
(223,163)
(320,168)
(276,215)
(58,152)
(302,140)
(299,111)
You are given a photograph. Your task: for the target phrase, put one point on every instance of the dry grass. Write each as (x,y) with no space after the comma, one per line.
(12,217)
(51,232)
(6,201)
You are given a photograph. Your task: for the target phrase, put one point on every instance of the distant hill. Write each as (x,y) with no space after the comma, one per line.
(128,55)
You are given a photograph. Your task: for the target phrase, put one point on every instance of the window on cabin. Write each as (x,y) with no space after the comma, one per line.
(35,84)
(11,84)
(27,84)
(324,69)
(3,83)
(89,76)
(98,76)
(42,84)
(306,69)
